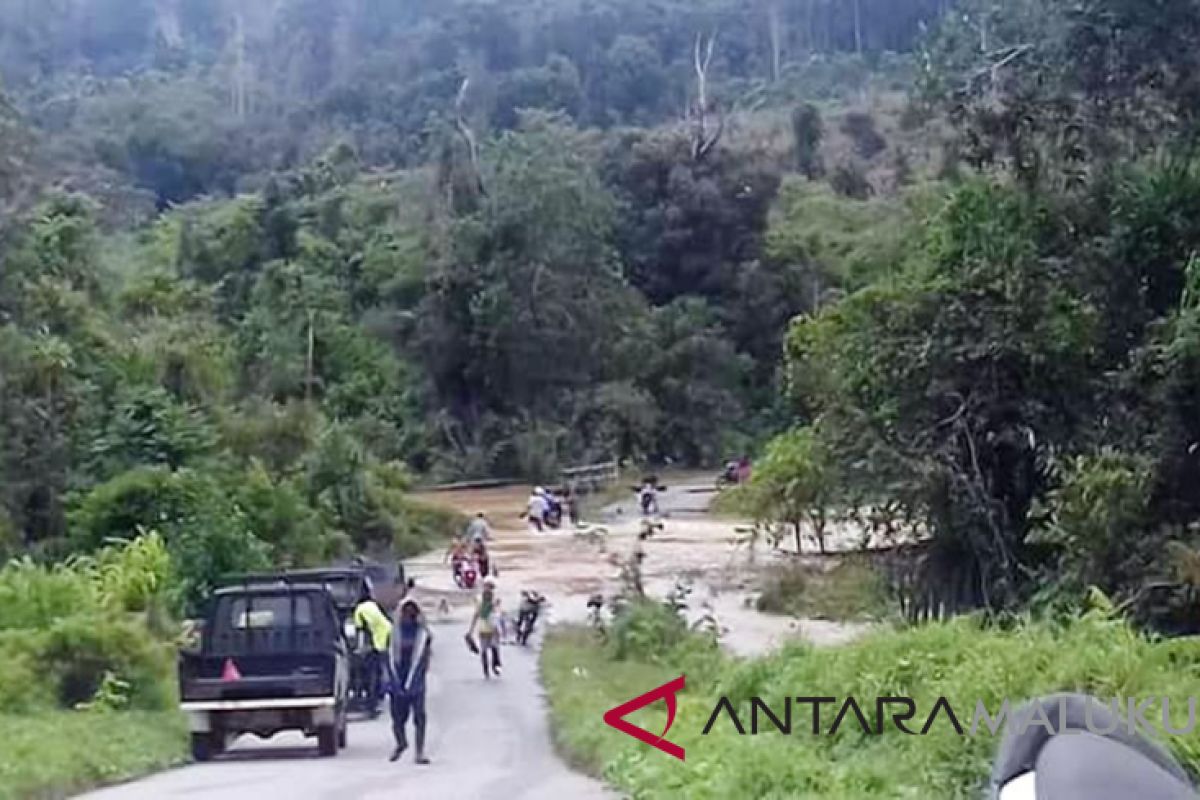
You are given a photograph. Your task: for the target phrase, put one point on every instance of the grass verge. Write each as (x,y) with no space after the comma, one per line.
(962,660)
(59,753)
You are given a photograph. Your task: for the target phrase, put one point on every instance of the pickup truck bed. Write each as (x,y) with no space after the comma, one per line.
(272,658)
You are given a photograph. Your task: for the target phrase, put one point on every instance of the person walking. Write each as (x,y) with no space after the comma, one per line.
(370,619)
(411,650)
(486,623)
(536,509)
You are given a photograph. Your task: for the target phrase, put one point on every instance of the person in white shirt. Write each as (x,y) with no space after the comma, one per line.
(537,508)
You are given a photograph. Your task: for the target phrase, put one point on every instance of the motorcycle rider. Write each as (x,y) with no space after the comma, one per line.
(527,613)
(478,529)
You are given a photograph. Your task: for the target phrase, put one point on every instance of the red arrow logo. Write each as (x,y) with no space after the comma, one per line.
(616,717)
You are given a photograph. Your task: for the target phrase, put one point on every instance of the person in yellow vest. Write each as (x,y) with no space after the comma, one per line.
(369,618)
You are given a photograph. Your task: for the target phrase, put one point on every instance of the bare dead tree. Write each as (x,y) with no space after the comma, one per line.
(704,137)
(464,129)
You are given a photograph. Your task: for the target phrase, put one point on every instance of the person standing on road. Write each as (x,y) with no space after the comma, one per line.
(411,650)
(537,508)
(486,623)
(478,529)
(370,619)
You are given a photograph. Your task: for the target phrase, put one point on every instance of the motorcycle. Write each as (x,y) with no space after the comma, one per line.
(728,476)
(1090,754)
(531,606)
(466,573)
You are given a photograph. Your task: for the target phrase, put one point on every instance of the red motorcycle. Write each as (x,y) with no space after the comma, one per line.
(466,573)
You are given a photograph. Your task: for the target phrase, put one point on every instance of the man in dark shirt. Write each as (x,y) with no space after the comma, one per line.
(411,649)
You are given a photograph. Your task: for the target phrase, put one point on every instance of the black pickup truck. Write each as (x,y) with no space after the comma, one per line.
(272,657)
(346,584)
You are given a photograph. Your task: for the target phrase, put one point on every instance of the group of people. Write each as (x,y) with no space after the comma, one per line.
(398,653)
(471,550)
(545,509)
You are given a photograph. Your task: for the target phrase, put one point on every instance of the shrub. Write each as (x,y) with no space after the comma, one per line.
(80,651)
(24,684)
(645,630)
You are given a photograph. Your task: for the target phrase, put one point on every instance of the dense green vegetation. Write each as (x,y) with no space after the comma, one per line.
(264,270)
(1019,383)
(87,653)
(962,661)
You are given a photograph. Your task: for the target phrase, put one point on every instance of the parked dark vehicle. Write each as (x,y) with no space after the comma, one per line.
(347,585)
(272,657)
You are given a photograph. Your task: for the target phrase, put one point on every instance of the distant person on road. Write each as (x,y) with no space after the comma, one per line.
(743,469)
(411,650)
(648,495)
(537,508)
(570,501)
(486,622)
(478,529)
(370,619)
(483,559)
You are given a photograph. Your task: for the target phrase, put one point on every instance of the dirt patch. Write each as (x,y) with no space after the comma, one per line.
(570,566)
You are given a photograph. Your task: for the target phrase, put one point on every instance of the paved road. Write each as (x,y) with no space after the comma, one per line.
(487,739)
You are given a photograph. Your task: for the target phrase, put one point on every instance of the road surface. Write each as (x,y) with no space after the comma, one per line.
(490,740)
(487,740)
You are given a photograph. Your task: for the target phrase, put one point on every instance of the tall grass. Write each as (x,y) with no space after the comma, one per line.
(57,754)
(963,660)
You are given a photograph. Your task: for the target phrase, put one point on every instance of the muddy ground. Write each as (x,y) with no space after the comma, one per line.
(569,566)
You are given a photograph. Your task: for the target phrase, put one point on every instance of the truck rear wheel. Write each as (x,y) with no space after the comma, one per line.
(203,746)
(327,736)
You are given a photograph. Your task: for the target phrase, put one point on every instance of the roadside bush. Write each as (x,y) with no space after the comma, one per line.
(645,630)
(24,686)
(79,651)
